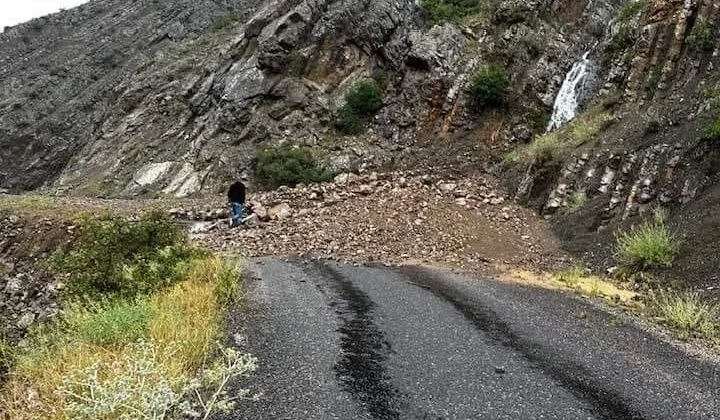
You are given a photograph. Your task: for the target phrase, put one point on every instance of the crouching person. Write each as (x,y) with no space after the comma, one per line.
(236,197)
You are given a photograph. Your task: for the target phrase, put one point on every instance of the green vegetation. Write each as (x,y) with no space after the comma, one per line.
(648,245)
(121,257)
(118,352)
(581,280)
(573,275)
(488,86)
(702,37)
(108,324)
(577,201)
(361,101)
(288,165)
(621,40)
(439,11)
(225,21)
(630,10)
(687,313)
(711,131)
(560,142)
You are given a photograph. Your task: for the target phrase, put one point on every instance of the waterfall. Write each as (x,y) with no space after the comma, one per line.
(571,94)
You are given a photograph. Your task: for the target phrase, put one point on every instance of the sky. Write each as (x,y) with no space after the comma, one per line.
(13,12)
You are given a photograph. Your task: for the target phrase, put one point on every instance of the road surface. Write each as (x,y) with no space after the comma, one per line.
(345,342)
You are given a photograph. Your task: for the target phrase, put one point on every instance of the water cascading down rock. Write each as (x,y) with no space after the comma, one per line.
(571,94)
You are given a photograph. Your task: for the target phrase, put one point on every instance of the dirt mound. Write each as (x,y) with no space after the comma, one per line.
(464,223)
(28,291)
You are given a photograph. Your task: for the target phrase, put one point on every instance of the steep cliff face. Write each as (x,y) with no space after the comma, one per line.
(177,104)
(58,72)
(659,83)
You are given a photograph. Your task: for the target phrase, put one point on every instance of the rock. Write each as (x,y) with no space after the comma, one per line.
(446,187)
(280,211)
(26,320)
(261,212)
(342,178)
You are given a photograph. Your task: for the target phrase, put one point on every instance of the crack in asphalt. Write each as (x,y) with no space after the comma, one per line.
(361,369)
(607,403)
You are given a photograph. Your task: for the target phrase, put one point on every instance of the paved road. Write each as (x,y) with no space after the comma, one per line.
(342,342)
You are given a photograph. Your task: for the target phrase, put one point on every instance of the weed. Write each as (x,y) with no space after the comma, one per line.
(488,86)
(573,275)
(539,119)
(687,313)
(6,355)
(225,21)
(559,142)
(648,245)
(449,10)
(621,40)
(712,129)
(288,165)
(577,201)
(630,10)
(133,358)
(108,324)
(702,37)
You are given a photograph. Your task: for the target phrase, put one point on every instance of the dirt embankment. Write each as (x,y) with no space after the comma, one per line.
(28,291)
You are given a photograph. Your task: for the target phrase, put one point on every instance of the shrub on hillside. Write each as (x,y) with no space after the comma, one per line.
(702,37)
(288,165)
(121,257)
(361,101)
(648,245)
(488,86)
(439,11)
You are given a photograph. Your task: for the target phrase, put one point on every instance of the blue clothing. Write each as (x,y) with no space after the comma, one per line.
(238,213)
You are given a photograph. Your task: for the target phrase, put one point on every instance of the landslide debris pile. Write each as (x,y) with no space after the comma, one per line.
(390,218)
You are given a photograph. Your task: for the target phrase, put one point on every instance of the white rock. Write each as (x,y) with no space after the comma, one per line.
(279,212)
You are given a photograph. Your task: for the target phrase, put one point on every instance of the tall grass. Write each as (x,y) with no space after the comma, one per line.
(137,353)
(648,245)
(560,142)
(687,313)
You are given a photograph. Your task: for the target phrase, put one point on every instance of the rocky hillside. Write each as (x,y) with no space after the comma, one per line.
(147,96)
(151,98)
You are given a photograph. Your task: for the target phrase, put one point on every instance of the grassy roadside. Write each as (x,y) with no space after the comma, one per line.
(683,315)
(139,334)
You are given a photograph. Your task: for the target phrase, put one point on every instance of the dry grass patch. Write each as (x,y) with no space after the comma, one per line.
(133,358)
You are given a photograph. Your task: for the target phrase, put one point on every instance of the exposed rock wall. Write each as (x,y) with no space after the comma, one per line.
(180,108)
(656,154)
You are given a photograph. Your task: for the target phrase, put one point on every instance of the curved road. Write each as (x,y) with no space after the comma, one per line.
(343,342)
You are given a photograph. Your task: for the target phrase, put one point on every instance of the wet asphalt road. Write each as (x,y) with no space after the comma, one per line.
(343,342)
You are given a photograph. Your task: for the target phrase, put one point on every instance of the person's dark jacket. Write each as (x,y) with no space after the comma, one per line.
(236,193)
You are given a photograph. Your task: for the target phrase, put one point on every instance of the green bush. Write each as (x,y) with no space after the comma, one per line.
(362,101)
(364,98)
(448,10)
(348,122)
(288,165)
(622,40)
(122,257)
(487,87)
(108,323)
(648,245)
(702,37)
(630,10)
